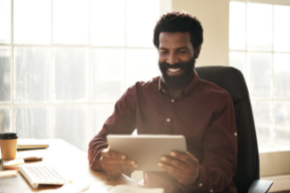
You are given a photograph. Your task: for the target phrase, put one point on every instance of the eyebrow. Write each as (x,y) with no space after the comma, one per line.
(183,47)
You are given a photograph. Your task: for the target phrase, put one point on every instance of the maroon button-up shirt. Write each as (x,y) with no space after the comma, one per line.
(203,113)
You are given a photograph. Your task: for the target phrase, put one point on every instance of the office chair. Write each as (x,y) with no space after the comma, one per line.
(248,168)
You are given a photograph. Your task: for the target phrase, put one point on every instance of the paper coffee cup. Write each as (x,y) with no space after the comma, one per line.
(8,144)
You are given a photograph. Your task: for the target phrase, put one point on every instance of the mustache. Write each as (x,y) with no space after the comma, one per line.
(176,65)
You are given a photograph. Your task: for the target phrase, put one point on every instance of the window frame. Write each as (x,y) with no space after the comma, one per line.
(272,99)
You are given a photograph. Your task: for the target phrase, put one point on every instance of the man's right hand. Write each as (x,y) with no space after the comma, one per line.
(115,163)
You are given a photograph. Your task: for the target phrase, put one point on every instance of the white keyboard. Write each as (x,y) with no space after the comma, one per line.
(41,174)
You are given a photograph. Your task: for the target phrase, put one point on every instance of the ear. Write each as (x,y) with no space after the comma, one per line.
(197,51)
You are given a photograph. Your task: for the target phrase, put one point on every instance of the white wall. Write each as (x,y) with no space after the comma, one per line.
(214,17)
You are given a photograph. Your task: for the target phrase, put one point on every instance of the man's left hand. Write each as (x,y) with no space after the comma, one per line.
(182,166)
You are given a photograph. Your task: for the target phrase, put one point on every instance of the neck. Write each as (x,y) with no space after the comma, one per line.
(175,92)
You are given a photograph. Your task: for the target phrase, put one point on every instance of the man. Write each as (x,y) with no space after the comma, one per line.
(176,103)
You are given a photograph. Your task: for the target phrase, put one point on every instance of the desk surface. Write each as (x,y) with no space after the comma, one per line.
(70,161)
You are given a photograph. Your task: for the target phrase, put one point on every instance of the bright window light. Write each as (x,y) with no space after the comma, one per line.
(259,46)
(67,62)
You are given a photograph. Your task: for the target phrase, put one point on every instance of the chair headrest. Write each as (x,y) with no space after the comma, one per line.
(226,77)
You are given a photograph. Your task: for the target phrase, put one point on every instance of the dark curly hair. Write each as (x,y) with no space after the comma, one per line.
(179,22)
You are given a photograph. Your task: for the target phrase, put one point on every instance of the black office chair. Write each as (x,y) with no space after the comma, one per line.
(248,170)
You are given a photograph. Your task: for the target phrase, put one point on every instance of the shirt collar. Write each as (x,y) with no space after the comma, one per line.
(192,84)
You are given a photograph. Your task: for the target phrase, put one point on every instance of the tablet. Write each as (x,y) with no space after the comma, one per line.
(146,150)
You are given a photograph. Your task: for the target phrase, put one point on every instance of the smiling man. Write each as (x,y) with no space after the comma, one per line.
(177,103)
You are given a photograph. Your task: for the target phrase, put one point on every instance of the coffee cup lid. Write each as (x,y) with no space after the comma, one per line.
(8,136)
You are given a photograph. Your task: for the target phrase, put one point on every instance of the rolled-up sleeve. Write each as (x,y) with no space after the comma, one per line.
(220,151)
(122,121)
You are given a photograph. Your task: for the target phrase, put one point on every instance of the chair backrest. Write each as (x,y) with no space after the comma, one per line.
(232,80)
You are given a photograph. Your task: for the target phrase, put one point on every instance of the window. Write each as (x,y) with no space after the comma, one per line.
(259,45)
(64,63)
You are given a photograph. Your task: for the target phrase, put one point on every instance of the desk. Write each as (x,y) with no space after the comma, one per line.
(67,159)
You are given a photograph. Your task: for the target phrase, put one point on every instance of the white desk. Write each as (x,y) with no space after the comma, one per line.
(69,160)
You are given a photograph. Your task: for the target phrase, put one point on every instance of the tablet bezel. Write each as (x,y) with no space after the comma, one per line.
(146,150)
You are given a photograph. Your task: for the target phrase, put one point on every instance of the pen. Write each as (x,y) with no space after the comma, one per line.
(28,159)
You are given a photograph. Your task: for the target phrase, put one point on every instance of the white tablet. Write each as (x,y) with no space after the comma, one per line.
(146,150)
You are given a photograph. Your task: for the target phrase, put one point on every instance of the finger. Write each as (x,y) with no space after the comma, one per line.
(127,168)
(115,161)
(175,162)
(113,154)
(118,161)
(185,157)
(171,170)
(114,167)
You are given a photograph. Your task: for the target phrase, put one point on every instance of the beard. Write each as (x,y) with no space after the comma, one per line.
(181,80)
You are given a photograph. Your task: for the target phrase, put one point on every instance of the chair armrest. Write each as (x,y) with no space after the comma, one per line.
(260,186)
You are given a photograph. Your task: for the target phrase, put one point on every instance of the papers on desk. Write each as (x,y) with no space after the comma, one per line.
(82,187)
(133,189)
(122,189)
(23,144)
(14,184)
(8,174)
(12,164)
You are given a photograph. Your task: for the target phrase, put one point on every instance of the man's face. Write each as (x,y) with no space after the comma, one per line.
(176,58)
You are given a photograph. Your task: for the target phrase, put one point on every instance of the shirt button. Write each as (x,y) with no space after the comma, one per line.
(200,185)
(168,120)
(235,134)
(172,100)
(211,190)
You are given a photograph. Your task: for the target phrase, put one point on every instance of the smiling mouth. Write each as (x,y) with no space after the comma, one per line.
(173,69)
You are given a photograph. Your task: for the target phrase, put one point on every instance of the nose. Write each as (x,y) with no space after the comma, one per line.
(172,59)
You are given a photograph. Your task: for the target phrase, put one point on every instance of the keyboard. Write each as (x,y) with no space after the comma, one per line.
(41,174)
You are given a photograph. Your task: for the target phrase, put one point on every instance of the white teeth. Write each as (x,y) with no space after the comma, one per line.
(173,69)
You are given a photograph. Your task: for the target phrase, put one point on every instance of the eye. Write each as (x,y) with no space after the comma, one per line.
(163,51)
(183,51)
